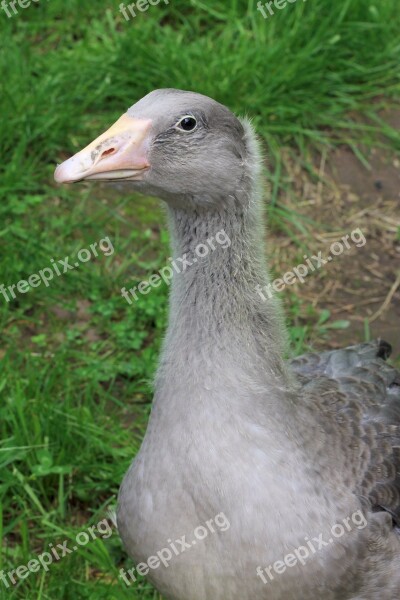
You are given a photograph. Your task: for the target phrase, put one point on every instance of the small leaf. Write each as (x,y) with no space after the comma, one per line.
(324,316)
(341,324)
(45,458)
(335,39)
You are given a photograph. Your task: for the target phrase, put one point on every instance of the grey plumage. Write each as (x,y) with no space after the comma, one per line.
(284,450)
(369,394)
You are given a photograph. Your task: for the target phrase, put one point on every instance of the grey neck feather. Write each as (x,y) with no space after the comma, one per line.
(217,318)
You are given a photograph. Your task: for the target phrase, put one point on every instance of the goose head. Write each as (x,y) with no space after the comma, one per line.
(180,146)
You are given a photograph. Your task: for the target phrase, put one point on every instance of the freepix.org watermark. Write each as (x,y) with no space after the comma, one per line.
(301,554)
(267,9)
(140,5)
(178,265)
(10,8)
(56,552)
(175,548)
(312,263)
(59,267)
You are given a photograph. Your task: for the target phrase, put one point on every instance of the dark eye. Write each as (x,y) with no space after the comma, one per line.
(187,123)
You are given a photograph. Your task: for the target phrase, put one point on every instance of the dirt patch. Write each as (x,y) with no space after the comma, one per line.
(362,285)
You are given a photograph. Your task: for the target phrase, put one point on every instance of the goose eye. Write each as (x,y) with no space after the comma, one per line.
(187,123)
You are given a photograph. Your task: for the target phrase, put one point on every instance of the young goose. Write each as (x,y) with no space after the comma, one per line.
(300,461)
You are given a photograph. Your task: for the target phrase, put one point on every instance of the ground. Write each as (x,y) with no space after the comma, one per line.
(362,286)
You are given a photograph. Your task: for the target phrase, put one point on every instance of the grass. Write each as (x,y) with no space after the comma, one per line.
(76,359)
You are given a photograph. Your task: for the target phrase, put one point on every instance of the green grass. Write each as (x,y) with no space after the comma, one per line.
(76,359)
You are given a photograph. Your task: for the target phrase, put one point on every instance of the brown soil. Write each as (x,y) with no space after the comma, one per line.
(362,285)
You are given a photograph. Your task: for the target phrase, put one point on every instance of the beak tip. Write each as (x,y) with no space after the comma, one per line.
(58,177)
(61,174)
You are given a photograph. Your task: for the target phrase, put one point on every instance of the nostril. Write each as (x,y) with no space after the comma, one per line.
(107,152)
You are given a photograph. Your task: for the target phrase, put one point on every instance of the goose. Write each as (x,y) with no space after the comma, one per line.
(259,478)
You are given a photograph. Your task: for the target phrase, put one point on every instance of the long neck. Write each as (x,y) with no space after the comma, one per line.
(218,321)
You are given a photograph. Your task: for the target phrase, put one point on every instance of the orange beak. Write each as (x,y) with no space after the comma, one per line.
(119,153)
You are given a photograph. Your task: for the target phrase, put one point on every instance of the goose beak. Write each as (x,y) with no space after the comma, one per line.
(119,153)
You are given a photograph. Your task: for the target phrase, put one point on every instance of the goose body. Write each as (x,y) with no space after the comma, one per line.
(284,455)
